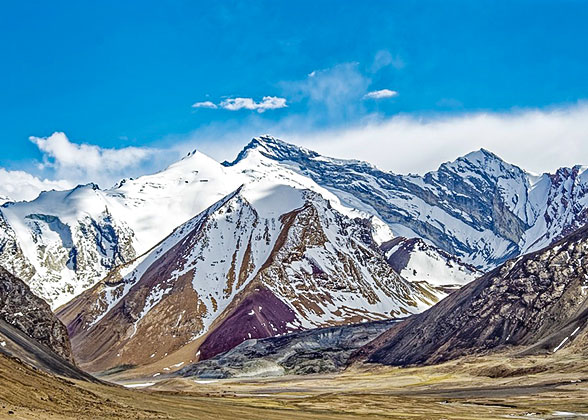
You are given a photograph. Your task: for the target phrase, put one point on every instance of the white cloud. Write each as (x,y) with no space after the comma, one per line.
(539,140)
(81,163)
(536,140)
(236,104)
(380,94)
(267,102)
(20,185)
(205,104)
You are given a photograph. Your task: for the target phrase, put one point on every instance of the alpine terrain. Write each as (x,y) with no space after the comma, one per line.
(260,262)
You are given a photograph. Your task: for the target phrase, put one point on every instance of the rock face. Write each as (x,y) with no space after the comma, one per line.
(478,208)
(415,260)
(320,350)
(258,263)
(21,309)
(535,303)
(60,244)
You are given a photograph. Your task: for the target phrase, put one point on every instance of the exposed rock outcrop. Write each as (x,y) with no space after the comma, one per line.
(21,309)
(320,350)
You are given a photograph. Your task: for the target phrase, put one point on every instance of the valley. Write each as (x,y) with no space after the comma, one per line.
(493,387)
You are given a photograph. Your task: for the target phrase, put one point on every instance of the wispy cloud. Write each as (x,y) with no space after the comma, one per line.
(267,102)
(384,58)
(333,93)
(380,94)
(205,104)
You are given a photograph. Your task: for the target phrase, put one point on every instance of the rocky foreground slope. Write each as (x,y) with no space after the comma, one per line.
(31,335)
(24,311)
(537,303)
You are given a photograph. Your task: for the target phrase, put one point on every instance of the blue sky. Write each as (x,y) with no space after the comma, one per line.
(126,74)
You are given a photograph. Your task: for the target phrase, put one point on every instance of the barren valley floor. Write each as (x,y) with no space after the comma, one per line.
(471,388)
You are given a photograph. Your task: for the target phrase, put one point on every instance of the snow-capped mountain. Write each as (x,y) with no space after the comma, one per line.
(267,259)
(64,242)
(478,207)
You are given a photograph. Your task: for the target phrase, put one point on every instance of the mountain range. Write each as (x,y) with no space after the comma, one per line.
(189,262)
(536,303)
(285,262)
(478,208)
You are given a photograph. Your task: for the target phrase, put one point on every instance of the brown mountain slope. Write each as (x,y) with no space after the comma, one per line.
(239,271)
(536,304)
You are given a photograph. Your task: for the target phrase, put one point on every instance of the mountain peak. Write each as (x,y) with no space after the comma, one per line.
(481,160)
(194,160)
(271,147)
(481,155)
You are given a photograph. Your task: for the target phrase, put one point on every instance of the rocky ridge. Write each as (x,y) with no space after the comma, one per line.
(478,207)
(537,303)
(320,350)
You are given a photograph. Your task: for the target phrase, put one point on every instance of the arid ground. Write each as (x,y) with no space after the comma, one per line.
(471,388)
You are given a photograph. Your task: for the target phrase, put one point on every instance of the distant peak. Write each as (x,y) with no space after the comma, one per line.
(83,187)
(193,152)
(193,160)
(481,155)
(476,158)
(272,148)
(90,186)
(482,160)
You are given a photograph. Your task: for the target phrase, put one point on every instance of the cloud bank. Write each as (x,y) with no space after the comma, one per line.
(20,185)
(534,139)
(538,140)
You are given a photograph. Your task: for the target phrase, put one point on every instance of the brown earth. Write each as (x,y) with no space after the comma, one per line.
(469,388)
